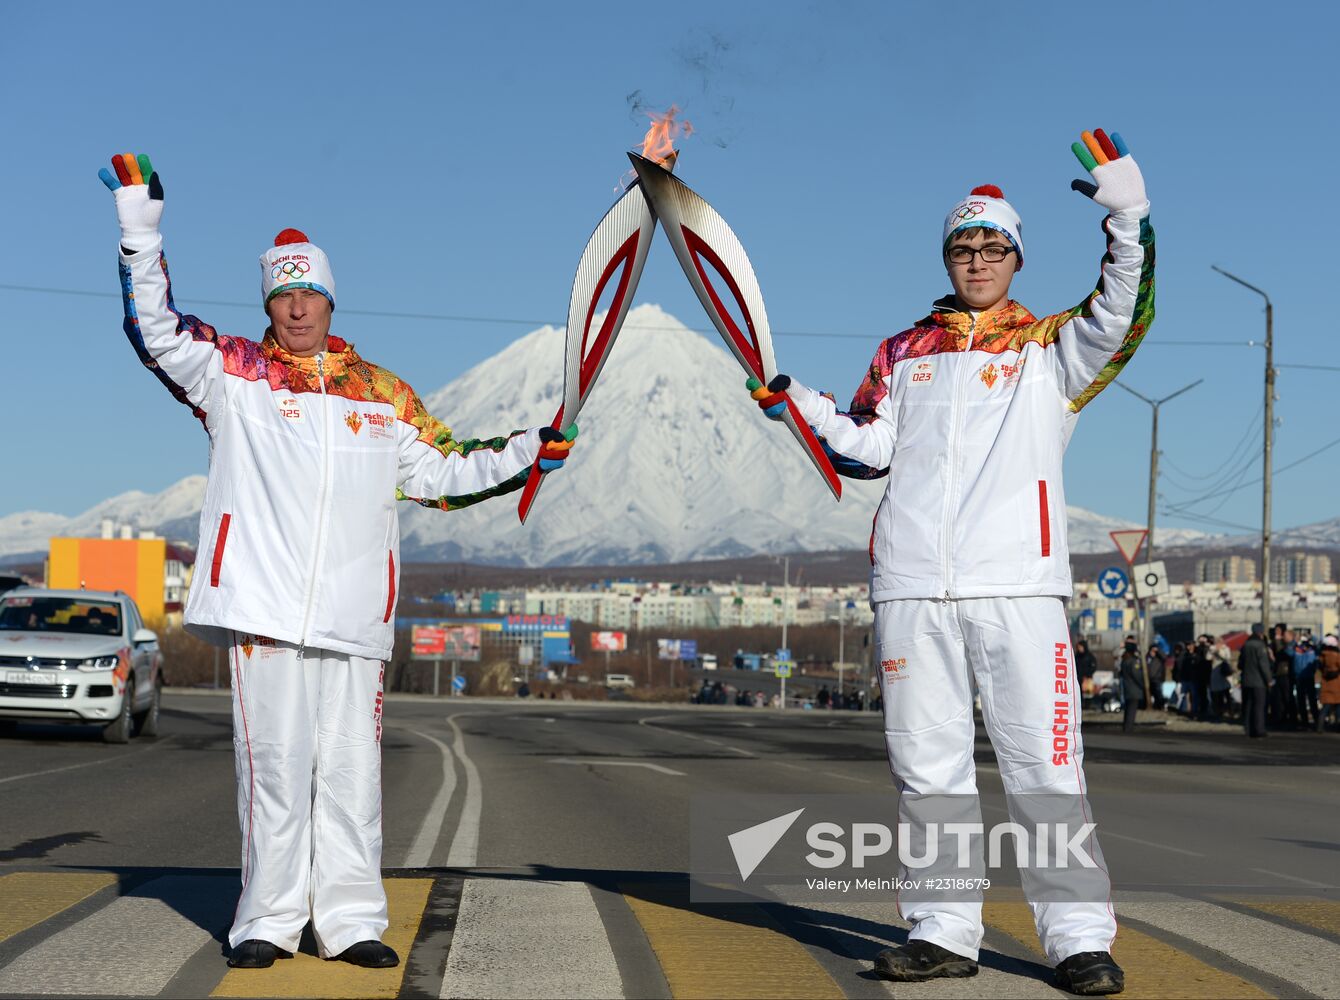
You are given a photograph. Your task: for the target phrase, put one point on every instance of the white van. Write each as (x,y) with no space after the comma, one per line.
(619,681)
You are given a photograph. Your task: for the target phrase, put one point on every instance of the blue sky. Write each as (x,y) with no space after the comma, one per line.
(453,159)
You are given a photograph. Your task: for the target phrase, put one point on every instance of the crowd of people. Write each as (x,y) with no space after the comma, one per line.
(850,699)
(1283,681)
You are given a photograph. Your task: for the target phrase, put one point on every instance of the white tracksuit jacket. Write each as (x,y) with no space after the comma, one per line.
(970,415)
(299,537)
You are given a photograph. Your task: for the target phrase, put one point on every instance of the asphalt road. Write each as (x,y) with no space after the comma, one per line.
(542,848)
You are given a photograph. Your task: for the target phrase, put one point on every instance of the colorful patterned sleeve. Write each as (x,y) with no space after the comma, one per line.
(437,470)
(866,406)
(1096,339)
(183,352)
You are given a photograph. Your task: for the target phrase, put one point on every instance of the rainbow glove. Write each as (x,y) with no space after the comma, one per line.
(1120,187)
(139,199)
(555,447)
(771,398)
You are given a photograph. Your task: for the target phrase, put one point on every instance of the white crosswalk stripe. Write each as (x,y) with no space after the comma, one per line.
(131,947)
(516,938)
(1302,959)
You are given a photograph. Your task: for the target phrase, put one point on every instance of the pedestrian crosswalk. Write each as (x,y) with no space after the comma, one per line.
(519,933)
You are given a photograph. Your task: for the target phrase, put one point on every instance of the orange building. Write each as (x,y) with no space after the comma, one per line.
(134,565)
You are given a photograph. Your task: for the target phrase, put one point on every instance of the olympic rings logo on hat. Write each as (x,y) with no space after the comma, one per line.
(969,211)
(290,270)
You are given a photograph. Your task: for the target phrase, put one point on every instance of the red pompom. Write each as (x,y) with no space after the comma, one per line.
(290,236)
(989,191)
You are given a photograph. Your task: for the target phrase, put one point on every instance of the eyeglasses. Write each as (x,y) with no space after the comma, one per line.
(992,254)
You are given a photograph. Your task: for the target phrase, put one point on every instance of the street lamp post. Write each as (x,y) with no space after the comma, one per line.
(843,608)
(1269,443)
(1147,636)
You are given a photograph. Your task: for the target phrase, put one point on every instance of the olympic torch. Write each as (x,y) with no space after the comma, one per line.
(702,240)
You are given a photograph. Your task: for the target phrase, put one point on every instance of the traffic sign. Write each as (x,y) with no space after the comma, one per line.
(1128,542)
(1151,579)
(458,683)
(782,668)
(1113,582)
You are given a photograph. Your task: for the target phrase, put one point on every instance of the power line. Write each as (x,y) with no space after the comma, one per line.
(516,321)
(1242,486)
(1246,438)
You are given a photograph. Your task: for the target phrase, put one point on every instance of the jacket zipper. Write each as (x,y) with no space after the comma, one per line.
(320,497)
(955,425)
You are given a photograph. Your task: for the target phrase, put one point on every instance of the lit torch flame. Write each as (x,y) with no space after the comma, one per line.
(659,142)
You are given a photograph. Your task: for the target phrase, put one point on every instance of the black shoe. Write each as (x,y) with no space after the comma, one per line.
(920,960)
(370,955)
(254,953)
(1090,974)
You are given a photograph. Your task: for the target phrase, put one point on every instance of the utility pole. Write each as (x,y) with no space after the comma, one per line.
(786,594)
(1147,633)
(1269,445)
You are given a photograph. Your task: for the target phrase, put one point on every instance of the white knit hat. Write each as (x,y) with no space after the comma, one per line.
(987,208)
(295,262)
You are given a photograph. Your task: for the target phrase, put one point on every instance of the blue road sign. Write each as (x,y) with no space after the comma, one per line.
(458,682)
(1113,582)
(1116,619)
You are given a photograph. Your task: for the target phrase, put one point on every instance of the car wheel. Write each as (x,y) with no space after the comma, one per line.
(120,730)
(146,722)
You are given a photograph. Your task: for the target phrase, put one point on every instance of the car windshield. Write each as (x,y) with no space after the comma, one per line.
(60,614)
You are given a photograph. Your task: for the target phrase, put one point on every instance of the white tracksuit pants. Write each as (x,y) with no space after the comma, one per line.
(307,740)
(1017,649)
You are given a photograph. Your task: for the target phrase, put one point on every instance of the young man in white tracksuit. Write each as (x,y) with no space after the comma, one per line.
(298,565)
(969,413)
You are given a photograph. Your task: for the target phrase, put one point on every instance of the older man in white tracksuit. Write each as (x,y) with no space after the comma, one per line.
(969,413)
(298,565)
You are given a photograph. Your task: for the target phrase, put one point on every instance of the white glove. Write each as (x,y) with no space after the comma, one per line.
(139,199)
(1120,187)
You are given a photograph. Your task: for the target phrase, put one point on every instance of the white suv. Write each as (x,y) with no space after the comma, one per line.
(80,656)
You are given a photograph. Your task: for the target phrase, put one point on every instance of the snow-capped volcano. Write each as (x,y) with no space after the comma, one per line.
(674,463)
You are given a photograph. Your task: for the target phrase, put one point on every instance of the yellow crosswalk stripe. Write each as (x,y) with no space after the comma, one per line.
(1320,914)
(724,951)
(309,976)
(1153,969)
(28,898)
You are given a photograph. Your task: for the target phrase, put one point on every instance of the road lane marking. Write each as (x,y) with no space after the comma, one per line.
(465,845)
(32,897)
(650,721)
(1294,878)
(1153,969)
(616,763)
(522,938)
(111,759)
(724,951)
(1251,940)
(431,829)
(846,777)
(309,976)
(1104,833)
(132,946)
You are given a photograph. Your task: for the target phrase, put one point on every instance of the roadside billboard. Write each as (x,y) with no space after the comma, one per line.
(609,642)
